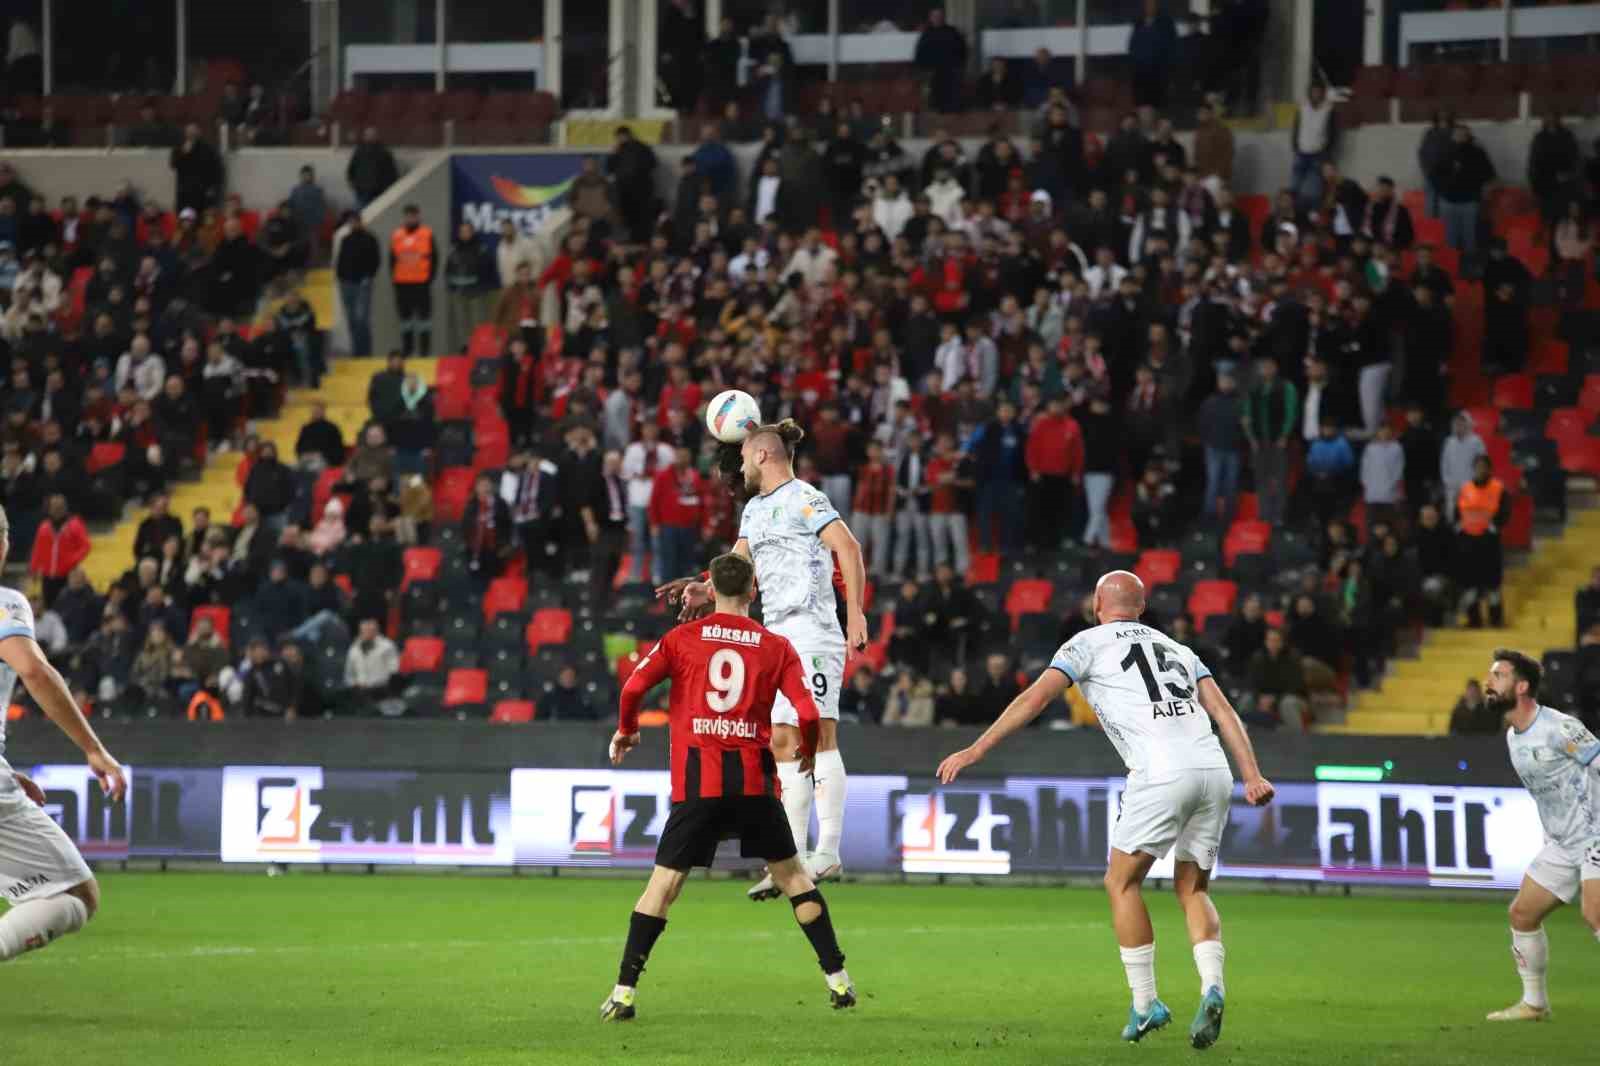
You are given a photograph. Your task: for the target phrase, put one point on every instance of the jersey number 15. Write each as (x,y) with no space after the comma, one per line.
(1168,667)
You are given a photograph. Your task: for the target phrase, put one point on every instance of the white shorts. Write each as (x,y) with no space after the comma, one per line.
(822,656)
(37,860)
(1563,870)
(1187,813)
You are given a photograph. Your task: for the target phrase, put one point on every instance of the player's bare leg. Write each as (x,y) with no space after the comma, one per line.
(796,798)
(1590,901)
(831,786)
(646,925)
(35,923)
(811,911)
(1192,885)
(1531,949)
(1136,938)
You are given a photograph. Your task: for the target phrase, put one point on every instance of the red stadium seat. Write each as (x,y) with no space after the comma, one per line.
(1212,598)
(420,564)
(487,341)
(463,688)
(984,569)
(1518,532)
(1568,423)
(1589,396)
(1158,566)
(505,594)
(422,655)
(550,625)
(1485,420)
(454,372)
(1580,456)
(451,492)
(493,446)
(220,620)
(1514,391)
(513,712)
(322,491)
(1245,537)
(1550,357)
(1029,596)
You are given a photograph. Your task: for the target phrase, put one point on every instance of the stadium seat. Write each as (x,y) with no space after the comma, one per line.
(505,594)
(1589,395)
(1485,420)
(451,492)
(1158,566)
(419,564)
(549,626)
(466,688)
(104,455)
(1028,597)
(220,621)
(422,655)
(513,712)
(1568,423)
(486,342)
(1212,598)
(1245,536)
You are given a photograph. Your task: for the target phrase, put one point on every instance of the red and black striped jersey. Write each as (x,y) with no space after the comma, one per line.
(725,670)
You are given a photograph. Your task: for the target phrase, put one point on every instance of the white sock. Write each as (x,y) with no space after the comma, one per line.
(832,787)
(1532,952)
(796,803)
(619,991)
(1208,960)
(35,923)
(1140,963)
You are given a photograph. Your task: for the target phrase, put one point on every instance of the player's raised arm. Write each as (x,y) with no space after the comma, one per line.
(653,669)
(839,540)
(1024,709)
(47,688)
(1258,790)
(695,592)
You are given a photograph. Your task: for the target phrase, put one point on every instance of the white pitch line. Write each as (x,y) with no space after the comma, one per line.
(229,951)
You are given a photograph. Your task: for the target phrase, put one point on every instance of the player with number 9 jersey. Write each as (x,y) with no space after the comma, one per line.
(726,670)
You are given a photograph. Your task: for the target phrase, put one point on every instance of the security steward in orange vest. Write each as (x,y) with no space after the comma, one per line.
(1482,508)
(412,260)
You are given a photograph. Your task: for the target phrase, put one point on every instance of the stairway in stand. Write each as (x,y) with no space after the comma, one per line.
(344,390)
(1416,695)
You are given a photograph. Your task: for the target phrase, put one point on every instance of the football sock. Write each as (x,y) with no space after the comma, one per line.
(643,929)
(35,923)
(796,803)
(831,787)
(1140,964)
(1532,952)
(819,931)
(1208,960)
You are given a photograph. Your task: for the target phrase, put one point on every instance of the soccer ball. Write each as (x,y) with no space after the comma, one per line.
(731,415)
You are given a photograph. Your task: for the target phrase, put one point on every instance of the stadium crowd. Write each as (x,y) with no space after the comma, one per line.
(1018,366)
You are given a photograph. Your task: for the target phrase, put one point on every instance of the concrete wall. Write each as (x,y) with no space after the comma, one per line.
(426,184)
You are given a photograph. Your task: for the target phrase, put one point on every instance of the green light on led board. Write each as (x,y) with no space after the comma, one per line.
(1352,773)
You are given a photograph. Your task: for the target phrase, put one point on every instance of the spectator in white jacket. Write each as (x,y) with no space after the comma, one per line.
(1383,473)
(42,282)
(371,664)
(1105,277)
(1461,450)
(951,357)
(640,462)
(892,208)
(944,198)
(142,369)
(515,247)
(813,260)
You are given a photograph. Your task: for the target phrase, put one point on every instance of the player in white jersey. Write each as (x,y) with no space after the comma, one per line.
(1558,761)
(42,877)
(792,533)
(1149,693)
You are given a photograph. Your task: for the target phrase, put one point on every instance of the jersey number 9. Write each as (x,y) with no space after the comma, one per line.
(726,680)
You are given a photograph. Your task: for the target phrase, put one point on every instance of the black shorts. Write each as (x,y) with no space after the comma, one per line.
(695,828)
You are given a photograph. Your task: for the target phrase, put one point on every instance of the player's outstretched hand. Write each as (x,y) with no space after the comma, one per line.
(673,590)
(113,782)
(30,788)
(621,744)
(1259,793)
(856,636)
(954,764)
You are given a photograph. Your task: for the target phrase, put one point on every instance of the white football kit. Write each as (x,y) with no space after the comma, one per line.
(1555,759)
(794,572)
(1142,686)
(37,859)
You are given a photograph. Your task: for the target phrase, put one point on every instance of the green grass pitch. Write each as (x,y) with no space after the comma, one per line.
(224,968)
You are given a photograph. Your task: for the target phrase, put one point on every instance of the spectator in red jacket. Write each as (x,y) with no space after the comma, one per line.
(680,391)
(59,545)
(872,515)
(677,509)
(1054,457)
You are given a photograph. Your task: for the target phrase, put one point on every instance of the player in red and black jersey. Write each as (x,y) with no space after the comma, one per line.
(725,670)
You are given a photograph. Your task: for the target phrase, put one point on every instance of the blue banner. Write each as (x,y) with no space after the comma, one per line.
(487,189)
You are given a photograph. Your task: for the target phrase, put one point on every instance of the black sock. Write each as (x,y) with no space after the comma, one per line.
(820,932)
(642,932)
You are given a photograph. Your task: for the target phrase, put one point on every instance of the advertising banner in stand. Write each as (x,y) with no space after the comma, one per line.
(1374,833)
(487,189)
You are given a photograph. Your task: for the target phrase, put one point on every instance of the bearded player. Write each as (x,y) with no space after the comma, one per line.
(1558,760)
(792,533)
(42,877)
(726,671)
